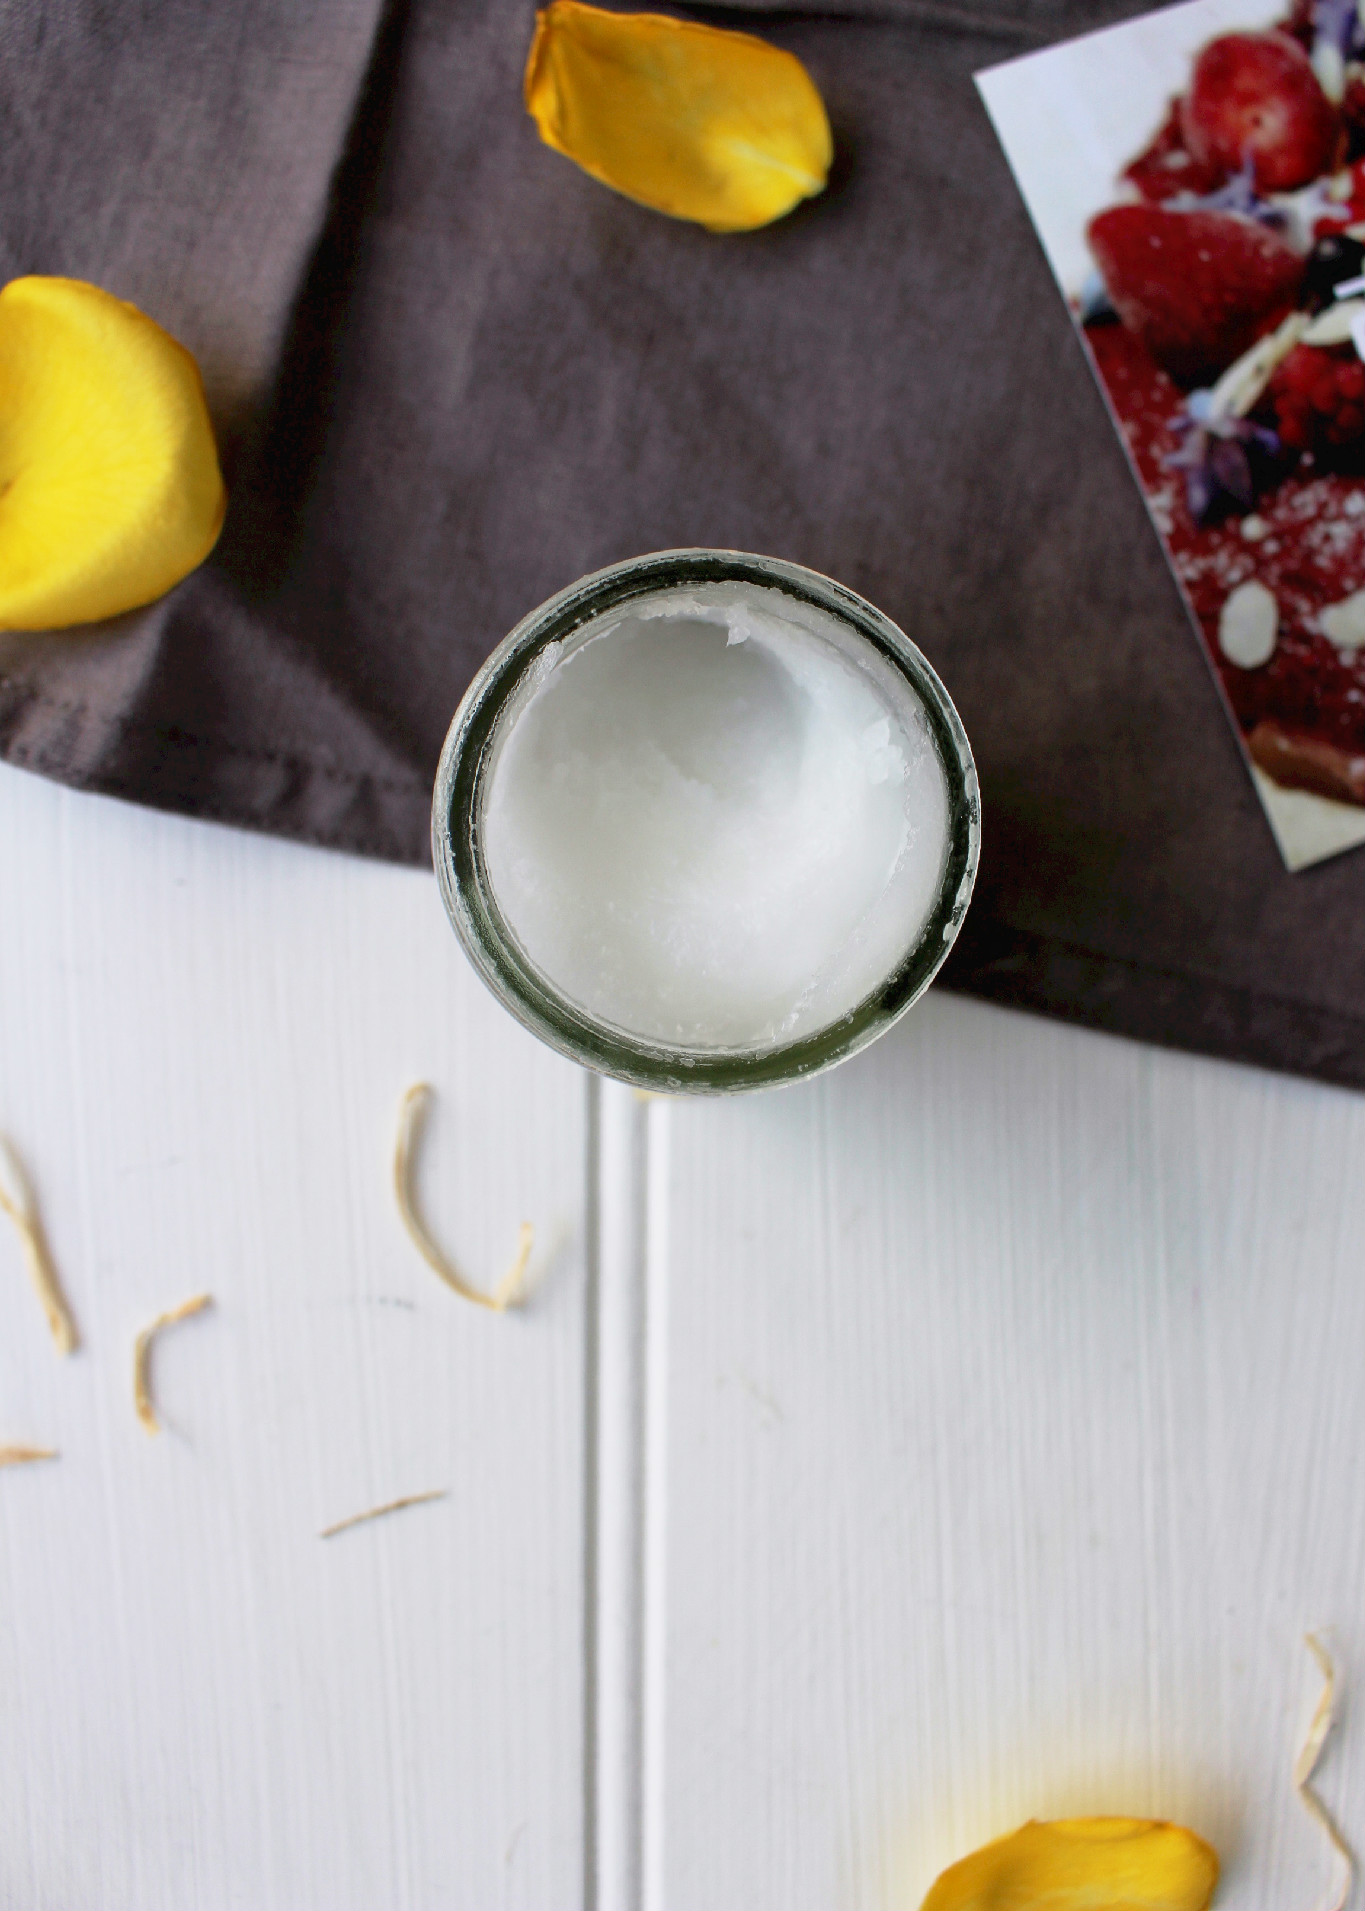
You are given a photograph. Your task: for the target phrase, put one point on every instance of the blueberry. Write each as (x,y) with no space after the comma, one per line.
(1333,259)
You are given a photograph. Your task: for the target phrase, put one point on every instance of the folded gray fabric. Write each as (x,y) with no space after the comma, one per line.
(451,373)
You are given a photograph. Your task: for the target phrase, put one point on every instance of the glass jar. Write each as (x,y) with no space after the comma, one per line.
(457,847)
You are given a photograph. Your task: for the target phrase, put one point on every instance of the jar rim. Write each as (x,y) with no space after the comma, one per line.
(486,936)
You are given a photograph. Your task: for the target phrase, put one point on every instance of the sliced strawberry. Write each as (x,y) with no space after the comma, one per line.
(1196,287)
(1166,167)
(1257,94)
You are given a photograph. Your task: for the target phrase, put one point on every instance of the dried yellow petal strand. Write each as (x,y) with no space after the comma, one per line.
(381,1512)
(22,1455)
(142,1350)
(1083,1864)
(110,490)
(19,1204)
(1319,1730)
(698,122)
(507,1293)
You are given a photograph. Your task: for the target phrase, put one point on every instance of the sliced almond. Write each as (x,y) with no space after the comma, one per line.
(1343,624)
(1247,377)
(1248,625)
(1330,67)
(1333,327)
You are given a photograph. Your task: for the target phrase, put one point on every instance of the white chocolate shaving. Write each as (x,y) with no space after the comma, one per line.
(507,1293)
(142,1349)
(378,1512)
(20,1205)
(1306,1764)
(21,1455)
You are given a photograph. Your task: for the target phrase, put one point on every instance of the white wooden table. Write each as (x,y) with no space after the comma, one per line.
(969,1435)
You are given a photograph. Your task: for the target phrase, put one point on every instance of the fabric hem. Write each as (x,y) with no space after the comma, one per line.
(1151,1002)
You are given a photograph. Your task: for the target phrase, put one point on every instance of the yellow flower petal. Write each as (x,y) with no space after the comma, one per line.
(695,121)
(110,490)
(1083,1864)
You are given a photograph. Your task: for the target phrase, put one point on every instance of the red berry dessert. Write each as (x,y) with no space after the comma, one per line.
(1227,324)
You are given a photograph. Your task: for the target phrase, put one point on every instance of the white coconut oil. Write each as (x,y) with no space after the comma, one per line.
(716,818)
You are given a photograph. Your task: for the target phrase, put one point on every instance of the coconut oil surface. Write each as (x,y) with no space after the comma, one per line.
(716,818)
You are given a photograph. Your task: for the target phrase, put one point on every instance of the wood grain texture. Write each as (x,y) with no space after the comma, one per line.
(1017,1435)
(203,1039)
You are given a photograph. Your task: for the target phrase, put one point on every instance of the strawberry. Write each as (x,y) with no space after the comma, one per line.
(1165,168)
(1196,287)
(1319,399)
(1257,94)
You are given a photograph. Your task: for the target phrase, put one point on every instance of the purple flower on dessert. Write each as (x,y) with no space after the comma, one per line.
(1217,456)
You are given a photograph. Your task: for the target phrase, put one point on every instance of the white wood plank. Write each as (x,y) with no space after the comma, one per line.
(1016,1435)
(203,1037)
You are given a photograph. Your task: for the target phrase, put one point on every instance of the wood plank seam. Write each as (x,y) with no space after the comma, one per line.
(625,1500)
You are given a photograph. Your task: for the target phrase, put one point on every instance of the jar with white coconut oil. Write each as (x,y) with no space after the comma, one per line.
(706,822)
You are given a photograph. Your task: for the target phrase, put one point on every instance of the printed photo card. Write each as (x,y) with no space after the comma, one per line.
(1197,179)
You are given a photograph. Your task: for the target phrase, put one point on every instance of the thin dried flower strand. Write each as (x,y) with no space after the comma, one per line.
(378,1512)
(508,1292)
(1305,1765)
(142,1349)
(20,1205)
(21,1455)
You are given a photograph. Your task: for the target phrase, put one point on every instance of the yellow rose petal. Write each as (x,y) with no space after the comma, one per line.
(695,121)
(110,490)
(1083,1864)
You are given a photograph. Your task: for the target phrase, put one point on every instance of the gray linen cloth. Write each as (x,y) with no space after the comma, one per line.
(450,373)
